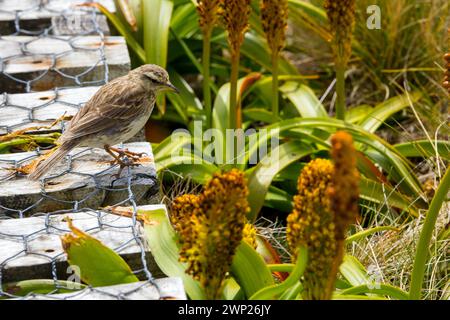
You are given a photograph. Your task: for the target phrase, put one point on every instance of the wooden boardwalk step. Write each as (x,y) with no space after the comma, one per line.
(168,289)
(86,180)
(58,17)
(38,64)
(31,247)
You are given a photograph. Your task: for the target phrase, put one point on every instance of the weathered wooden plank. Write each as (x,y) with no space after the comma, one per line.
(79,25)
(90,183)
(57,16)
(29,246)
(27,110)
(168,288)
(38,64)
(32,10)
(61,25)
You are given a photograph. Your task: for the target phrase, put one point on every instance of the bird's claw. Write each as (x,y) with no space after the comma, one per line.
(124,162)
(132,155)
(124,158)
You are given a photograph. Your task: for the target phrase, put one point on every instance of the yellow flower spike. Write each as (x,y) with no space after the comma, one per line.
(324,208)
(249,235)
(210,235)
(311,224)
(235,17)
(274,18)
(236,14)
(341,14)
(208,11)
(345,191)
(182,208)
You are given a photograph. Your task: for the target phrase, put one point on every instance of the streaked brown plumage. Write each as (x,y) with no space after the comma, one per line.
(116,113)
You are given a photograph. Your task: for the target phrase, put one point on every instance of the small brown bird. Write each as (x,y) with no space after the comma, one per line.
(116,113)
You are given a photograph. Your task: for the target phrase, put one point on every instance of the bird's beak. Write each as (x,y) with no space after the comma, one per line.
(171,87)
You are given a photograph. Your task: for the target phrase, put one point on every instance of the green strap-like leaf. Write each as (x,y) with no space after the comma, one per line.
(273,291)
(357,114)
(171,145)
(386,195)
(424,149)
(156,24)
(261,177)
(422,253)
(369,190)
(365,233)
(259,114)
(354,272)
(393,161)
(38,286)
(124,30)
(185,20)
(304,100)
(198,173)
(96,264)
(162,241)
(385,110)
(316,12)
(186,102)
(378,289)
(256,49)
(220,118)
(250,270)
(356,297)
(279,200)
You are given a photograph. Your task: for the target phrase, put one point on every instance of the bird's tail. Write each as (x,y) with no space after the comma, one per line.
(43,167)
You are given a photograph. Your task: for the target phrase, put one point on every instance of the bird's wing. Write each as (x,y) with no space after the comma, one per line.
(114,104)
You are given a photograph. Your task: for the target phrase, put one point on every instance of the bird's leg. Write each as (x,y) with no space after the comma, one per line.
(124,158)
(133,155)
(117,159)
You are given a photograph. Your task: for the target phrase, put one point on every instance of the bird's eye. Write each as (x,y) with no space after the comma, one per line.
(152,78)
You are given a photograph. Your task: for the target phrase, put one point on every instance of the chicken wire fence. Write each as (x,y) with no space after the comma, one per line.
(29,44)
(29,11)
(33,242)
(27,245)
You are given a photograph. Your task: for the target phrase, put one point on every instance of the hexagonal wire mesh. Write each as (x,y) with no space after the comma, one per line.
(22,246)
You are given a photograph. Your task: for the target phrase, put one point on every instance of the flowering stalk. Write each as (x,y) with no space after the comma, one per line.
(234,106)
(274,16)
(311,225)
(344,192)
(324,208)
(235,15)
(340,91)
(341,14)
(211,226)
(208,14)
